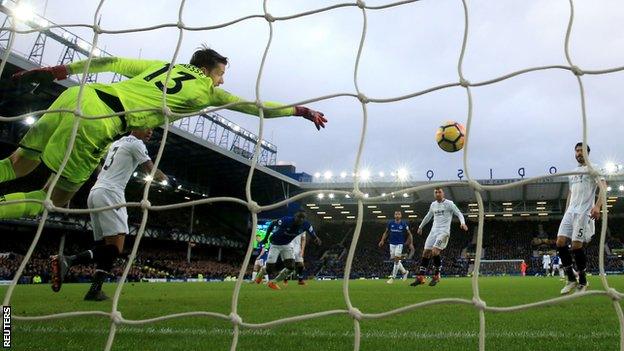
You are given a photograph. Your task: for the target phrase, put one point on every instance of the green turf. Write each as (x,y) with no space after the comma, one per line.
(588,323)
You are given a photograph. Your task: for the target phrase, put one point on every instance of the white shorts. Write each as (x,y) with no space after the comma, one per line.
(546,266)
(275,251)
(109,222)
(439,240)
(577,226)
(555,266)
(297,253)
(259,262)
(396,250)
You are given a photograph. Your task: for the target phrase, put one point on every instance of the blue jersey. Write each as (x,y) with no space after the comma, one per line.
(265,254)
(555,260)
(398,232)
(284,230)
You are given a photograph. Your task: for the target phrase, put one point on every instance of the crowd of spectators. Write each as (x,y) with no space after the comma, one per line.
(163,259)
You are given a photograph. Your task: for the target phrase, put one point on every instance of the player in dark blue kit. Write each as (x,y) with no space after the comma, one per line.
(556,266)
(262,252)
(281,234)
(399,235)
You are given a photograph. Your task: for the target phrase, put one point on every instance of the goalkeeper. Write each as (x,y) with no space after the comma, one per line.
(191,87)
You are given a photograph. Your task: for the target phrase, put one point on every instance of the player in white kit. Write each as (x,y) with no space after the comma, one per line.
(577,224)
(109,226)
(442,211)
(546,264)
(298,245)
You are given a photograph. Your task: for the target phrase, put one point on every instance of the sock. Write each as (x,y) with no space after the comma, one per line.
(566,262)
(401,268)
(253,275)
(22,209)
(395,268)
(424,264)
(6,170)
(98,280)
(81,258)
(299,271)
(581,264)
(283,274)
(266,277)
(104,255)
(561,272)
(437,264)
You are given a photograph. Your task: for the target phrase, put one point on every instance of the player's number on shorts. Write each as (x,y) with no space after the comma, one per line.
(580,233)
(178,80)
(112,158)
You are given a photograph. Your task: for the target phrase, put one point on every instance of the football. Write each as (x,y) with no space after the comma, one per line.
(450,136)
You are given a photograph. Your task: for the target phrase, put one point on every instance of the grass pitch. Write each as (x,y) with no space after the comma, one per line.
(587,323)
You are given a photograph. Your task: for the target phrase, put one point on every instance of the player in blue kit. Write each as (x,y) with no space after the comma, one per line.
(262,252)
(399,235)
(281,234)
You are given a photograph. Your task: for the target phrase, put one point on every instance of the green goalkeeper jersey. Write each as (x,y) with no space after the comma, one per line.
(189,90)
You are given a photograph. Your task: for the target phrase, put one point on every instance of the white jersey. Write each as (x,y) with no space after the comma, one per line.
(122,159)
(442,213)
(546,260)
(582,192)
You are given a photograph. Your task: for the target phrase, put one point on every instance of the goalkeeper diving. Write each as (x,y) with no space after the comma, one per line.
(191,88)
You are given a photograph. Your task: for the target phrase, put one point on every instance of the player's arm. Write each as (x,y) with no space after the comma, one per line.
(123,66)
(568,201)
(384,236)
(159,176)
(595,211)
(425,220)
(139,152)
(410,239)
(268,233)
(311,231)
(460,215)
(222,97)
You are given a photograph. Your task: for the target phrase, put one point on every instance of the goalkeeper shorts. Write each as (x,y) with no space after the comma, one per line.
(48,138)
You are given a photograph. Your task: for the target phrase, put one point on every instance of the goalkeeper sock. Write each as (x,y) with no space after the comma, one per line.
(22,209)
(437,264)
(424,264)
(581,264)
(253,275)
(6,170)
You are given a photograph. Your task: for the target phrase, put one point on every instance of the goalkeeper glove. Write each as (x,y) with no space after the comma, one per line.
(42,75)
(311,115)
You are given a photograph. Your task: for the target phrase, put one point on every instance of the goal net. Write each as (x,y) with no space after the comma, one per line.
(237,320)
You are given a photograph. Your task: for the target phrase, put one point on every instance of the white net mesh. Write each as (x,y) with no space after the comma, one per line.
(236,320)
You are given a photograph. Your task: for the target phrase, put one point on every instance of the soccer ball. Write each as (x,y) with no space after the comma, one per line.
(450,136)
